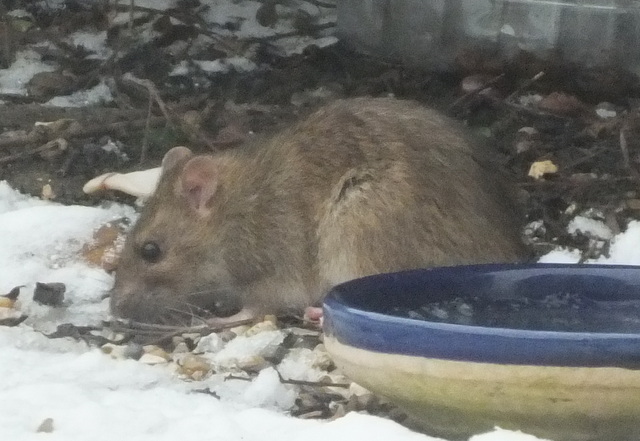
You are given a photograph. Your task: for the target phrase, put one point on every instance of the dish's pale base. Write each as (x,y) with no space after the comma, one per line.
(458,399)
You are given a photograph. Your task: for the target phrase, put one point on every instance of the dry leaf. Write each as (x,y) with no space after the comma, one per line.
(562,104)
(104,249)
(540,168)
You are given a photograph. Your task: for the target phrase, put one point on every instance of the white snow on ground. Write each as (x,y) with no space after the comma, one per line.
(222,65)
(90,396)
(27,63)
(99,94)
(625,247)
(593,227)
(14,79)
(95,42)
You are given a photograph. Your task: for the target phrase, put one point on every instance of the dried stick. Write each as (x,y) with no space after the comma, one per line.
(36,137)
(525,85)
(477,91)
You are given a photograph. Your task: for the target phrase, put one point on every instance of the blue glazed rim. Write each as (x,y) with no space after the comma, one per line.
(353,315)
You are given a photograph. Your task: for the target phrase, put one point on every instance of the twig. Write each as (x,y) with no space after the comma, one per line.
(153,93)
(151,329)
(132,5)
(16,156)
(320,4)
(477,91)
(147,129)
(199,28)
(296,33)
(525,85)
(625,150)
(36,137)
(236,377)
(313,383)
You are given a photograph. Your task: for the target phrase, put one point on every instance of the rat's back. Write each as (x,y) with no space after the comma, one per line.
(407,190)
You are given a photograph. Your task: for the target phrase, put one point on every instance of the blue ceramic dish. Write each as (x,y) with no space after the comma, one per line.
(457,380)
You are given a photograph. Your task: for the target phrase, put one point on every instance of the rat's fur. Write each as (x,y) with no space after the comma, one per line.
(362,186)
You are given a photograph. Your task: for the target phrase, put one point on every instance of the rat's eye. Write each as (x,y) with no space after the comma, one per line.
(150,251)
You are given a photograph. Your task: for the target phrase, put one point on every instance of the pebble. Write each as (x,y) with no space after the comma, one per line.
(254,363)
(46,426)
(181,348)
(156,351)
(194,366)
(209,343)
(258,328)
(152,359)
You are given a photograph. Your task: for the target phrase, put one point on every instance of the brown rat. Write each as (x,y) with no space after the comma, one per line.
(362,186)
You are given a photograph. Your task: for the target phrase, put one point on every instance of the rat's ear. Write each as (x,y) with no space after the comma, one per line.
(174,156)
(198,183)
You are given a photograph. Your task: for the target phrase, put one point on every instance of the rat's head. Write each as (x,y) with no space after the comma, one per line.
(174,265)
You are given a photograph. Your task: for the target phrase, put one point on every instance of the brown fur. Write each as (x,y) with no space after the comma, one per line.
(362,186)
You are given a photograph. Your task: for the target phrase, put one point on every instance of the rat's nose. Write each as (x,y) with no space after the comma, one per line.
(130,305)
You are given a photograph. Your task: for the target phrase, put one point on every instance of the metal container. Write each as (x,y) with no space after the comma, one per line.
(442,34)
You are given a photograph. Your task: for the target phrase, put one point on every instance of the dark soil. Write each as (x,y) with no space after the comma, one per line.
(598,159)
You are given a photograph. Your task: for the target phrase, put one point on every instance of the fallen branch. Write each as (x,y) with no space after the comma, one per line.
(477,91)
(314,28)
(524,86)
(75,131)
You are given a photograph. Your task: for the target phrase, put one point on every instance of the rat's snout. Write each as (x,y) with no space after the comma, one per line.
(129,305)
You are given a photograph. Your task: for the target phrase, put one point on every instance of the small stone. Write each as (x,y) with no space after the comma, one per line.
(275,354)
(209,343)
(239,330)
(46,426)
(181,348)
(263,326)
(47,193)
(157,351)
(339,411)
(561,104)
(133,351)
(115,351)
(114,337)
(194,366)
(226,336)
(474,83)
(271,318)
(193,337)
(606,110)
(151,359)
(255,363)
(322,359)
(50,294)
(45,85)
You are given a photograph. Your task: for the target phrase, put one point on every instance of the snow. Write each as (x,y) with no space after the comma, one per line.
(625,247)
(90,395)
(589,226)
(13,81)
(98,94)
(222,65)
(95,42)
